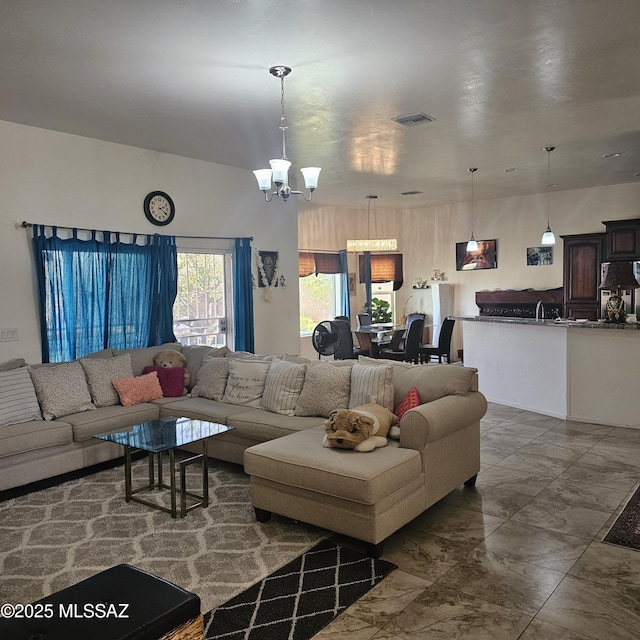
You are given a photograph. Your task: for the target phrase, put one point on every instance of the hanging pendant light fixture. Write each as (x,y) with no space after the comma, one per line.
(279,171)
(547,237)
(472,245)
(372,244)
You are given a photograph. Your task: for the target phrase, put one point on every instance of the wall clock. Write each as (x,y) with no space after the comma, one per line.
(159,208)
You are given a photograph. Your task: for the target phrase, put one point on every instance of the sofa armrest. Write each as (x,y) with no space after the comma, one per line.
(439,418)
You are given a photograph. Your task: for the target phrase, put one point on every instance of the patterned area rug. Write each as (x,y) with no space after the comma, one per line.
(626,529)
(298,600)
(53,538)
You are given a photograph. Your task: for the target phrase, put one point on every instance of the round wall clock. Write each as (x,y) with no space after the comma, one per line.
(159,208)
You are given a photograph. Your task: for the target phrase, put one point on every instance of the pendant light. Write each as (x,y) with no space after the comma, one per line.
(547,237)
(472,245)
(372,244)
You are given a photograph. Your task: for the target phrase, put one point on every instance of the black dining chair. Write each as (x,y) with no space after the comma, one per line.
(364,320)
(346,349)
(410,318)
(443,348)
(412,344)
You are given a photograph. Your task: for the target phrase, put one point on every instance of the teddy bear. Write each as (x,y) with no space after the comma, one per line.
(363,428)
(170,359)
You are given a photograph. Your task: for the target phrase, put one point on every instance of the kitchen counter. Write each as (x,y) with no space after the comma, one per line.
(552,323)
(581,371)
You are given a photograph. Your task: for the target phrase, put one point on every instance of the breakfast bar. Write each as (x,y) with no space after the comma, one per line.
(582,371)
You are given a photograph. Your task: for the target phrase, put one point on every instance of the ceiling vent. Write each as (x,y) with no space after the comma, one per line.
(413,119)
(411,193)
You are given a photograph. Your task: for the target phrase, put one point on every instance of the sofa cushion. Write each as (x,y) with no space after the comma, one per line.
(326,388)
(259,425)
(61,389)
(212,379)
(18,401)
(143,357)
(201,409)
(88,424)
(283,386)
(300,460)
(171,380)
(100,372)
(245,383)
(371,383)
(33,435)
(138,389)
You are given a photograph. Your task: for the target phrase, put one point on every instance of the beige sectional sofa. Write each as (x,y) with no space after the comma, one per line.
(278,435)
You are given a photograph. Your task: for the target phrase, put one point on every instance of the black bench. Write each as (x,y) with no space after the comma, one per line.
(121,603)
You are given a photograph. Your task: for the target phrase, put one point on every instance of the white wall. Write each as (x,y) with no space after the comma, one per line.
(427,239)
(55,178)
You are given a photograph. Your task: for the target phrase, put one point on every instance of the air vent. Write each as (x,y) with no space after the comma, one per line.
(411,193)
(413,119)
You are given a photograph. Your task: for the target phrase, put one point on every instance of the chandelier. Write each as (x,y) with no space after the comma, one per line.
(375,244)
(472,245)
(548,237)
(279,171)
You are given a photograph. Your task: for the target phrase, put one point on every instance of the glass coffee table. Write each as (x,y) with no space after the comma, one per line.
(166,435)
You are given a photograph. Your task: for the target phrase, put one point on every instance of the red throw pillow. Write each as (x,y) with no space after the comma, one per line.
(171,380)
(410,401)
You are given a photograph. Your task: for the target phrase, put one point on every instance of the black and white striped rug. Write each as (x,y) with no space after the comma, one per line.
(299,599)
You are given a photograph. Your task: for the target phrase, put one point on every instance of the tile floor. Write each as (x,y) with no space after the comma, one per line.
(520,556)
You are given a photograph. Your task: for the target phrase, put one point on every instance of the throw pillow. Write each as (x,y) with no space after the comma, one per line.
(171,380)
(18,401)
(139,389)
(371,383)
(326,388)
(100,372)
(245,383)
(410,401)
(12,364)
(61,389)
(212,379)
(197,355)
(283,386)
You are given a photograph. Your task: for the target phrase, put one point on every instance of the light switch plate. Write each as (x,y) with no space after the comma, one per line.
(8,335)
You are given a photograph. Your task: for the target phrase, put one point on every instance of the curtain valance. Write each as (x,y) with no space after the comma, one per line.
(385,267)
(311,262)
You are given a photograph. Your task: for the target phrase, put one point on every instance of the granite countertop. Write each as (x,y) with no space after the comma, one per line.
(573,324)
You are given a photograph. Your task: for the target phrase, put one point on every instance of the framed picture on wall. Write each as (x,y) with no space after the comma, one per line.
(268,262)
(485,257)
(352,283)
(539,256)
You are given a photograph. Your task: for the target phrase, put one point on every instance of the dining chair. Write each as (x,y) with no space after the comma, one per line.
(368,347)
(443,348)
(346,349)
(410,318)
(364,320)
(412,344)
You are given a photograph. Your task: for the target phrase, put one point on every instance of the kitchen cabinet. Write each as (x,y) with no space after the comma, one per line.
(622,240)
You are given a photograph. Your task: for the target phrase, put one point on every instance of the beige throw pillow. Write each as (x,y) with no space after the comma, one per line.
(283,386)
(245,383)
(326,388)
(100,372)
(61,389)
(18,401)
(212,379)
(371,383)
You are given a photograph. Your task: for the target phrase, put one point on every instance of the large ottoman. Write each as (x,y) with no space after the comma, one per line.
(94,608)
(367,496)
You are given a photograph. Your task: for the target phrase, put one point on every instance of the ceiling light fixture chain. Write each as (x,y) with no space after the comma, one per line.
(547,237)
(472,245)
(279,172)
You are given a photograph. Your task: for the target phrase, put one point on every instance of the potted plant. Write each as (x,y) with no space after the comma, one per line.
(380,311)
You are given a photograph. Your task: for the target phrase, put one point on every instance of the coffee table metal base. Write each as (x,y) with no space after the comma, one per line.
(130,494)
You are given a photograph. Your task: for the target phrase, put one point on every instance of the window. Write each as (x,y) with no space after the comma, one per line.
(202,308)
(319,300)
(384,291)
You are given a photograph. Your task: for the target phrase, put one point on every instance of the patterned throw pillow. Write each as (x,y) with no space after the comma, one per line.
(410,401)
(371,383)
(18,401)
(61,389)
(100,372)
(245,383)
(283,386)
(326,388)
(171,380)
(212,379)
(142,388)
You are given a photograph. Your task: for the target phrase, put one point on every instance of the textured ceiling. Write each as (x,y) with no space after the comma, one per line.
(502,78)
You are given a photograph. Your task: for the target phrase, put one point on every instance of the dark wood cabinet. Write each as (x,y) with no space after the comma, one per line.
(583,255)
(622,240)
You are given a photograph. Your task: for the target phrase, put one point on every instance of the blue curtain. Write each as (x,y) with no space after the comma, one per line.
(243,297)
(95,294)
(345,303)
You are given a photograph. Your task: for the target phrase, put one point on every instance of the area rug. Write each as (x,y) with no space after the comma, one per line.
(625,531)
(58,536)
(297,601)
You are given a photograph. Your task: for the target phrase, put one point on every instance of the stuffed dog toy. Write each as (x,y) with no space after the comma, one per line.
(362,428)
(171,359)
